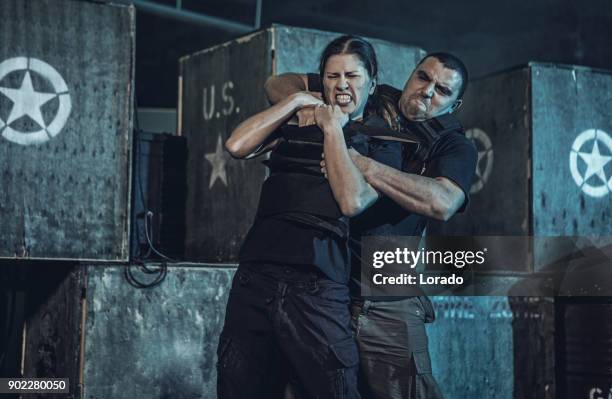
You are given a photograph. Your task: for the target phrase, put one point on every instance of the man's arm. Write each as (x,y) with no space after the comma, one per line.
(348,185)
(279,87)
(438,197)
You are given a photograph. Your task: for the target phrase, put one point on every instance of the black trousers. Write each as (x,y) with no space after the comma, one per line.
(394,350)
(285,322)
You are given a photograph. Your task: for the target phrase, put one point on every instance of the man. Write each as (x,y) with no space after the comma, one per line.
(434,182)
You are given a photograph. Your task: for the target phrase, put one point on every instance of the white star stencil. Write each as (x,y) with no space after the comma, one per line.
(217,159)
(595,162)
(484,165)
(26,101)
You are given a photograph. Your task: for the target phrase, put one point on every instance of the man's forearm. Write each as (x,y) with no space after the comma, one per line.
(279,87)
(437,198)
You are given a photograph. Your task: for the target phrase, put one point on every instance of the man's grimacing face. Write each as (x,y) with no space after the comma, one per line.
(431,91)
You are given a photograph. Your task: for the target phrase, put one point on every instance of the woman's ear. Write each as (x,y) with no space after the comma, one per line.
(373,88)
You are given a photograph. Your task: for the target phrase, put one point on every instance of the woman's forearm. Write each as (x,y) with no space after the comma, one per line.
(253,131)
(348,185)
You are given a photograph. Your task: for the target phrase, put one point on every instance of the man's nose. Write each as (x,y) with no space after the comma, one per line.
(428,91)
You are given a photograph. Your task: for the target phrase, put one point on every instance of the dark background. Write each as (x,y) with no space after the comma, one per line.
(488,35)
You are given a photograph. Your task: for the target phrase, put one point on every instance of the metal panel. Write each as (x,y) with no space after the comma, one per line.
(571,115)
(571,130)
(54,314)
(299,50)
(485,347)
(585,349)
(154,343)
(66,70)
(116,341)
(221,86)
(495,115)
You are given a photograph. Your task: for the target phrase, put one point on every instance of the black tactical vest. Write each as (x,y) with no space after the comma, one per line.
(297,186)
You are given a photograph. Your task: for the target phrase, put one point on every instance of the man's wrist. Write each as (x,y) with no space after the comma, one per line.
(296,101)
(365,166)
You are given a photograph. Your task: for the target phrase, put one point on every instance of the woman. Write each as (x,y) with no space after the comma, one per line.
(289,301)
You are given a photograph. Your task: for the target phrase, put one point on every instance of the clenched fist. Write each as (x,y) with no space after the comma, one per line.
(330,115)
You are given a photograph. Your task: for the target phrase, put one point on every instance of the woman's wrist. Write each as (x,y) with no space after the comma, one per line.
(331,127)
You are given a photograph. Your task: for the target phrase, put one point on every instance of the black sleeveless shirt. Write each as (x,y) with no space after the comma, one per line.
(298,221)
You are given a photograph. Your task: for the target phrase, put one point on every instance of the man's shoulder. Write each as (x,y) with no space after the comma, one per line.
(387,90)
(453,140)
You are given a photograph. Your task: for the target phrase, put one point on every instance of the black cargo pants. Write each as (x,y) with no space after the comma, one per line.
(281,320)
(393,348)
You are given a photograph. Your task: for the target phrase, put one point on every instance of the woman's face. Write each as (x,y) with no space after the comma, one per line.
(346,83)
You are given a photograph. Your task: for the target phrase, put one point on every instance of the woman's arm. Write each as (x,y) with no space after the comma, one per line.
(252,132)
(348,185)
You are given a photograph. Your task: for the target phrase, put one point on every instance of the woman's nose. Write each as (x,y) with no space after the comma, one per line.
(342,83)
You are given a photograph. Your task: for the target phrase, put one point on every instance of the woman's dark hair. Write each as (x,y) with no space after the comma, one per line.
(349,44)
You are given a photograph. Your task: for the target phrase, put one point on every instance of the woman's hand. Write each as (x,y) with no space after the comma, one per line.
(328,116)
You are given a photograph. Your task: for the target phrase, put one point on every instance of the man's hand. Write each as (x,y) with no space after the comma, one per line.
(323,166)
(359,160)
(310,100)
(330,115)
(306,117)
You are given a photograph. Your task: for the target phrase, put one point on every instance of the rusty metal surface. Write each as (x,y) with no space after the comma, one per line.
(572,148)
(495,114)
(65,119)
(154,343)
(299,50)
(127,342)
(585,348)
(484,347)
(221,87)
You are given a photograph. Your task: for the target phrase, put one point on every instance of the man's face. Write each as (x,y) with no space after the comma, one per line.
(431,91)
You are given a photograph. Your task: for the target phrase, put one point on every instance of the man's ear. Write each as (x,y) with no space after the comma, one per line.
(456,106)
(373,88)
